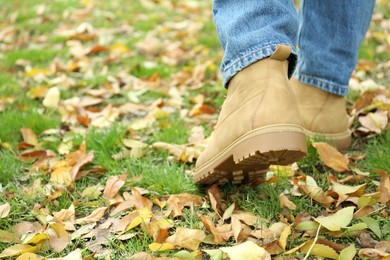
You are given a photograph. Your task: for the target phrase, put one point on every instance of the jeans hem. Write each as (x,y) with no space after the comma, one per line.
(252,57)
(326,85)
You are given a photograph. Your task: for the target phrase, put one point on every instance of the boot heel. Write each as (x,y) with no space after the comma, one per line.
(278,148)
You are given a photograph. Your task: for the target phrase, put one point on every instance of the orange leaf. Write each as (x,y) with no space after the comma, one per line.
(113,185)
(140,201)
(29,137)
(331,157)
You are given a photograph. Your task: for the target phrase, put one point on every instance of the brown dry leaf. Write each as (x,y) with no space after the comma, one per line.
(371,253)
(215,197)
(95,216)
(176,203)
(248,218)
(58,237)
(8,237)
(384,187)
(74,255)
(182,153)
(29,137)
(245,251)
(140,202)
(331,157)
(157,224)
(74,173)
(375,122)
(221,233)
(187,238)
(113,185)
(285,202)
(317,194)
(4,210)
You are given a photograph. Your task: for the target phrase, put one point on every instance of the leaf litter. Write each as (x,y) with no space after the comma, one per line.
(353,203)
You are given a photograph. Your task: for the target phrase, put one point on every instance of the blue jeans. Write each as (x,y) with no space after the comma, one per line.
(325,37)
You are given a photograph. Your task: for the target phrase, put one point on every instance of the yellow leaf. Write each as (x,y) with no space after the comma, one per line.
(28,256)
(320,250)
(36,238)
(17,250)
(119,48)
(161,247)
(331,157)
(61,176)
(37,71)
(144,214)
(339,220)
(348,253)
(245,251)
(355,191)
(283,237)
(4,210)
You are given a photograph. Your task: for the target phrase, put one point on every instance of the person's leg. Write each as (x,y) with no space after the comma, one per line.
(259,123)
(250,30)
(330,33)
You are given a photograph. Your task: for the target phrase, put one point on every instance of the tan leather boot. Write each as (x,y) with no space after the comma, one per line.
(259,125)
(324,114)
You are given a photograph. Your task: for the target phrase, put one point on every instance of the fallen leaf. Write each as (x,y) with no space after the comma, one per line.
(113,185)
(95,216)
(375,121)
(355,191)
(29,137)
(4,210)
(140,202)
(186,238)
(245,251)
(319,250)
(58,237)
(157,247)
(28,256)
(52,98)
(338,220)
(331,157)
(215,197)
(177,202)
(285,202)
(373,225)
(384,187)
(17,250)
(221,233)
(8,237)
(348,253)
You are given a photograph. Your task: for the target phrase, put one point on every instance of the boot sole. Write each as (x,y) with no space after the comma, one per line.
(247,158)
(341,140)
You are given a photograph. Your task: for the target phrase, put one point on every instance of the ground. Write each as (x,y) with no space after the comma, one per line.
(104,108)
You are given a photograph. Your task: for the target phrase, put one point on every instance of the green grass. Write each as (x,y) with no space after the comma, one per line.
(25,115)
(36,56)
(10,166)
(378,153)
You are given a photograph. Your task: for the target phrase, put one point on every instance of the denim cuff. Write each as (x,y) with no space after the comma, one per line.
(326,85)
(250,57)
